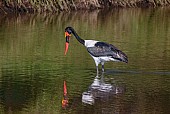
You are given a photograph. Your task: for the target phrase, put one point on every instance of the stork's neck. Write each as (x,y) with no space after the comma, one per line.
(77,37)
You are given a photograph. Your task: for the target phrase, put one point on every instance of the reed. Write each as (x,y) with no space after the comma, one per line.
(7,6)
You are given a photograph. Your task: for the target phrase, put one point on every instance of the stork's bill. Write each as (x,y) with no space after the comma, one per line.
(67,36)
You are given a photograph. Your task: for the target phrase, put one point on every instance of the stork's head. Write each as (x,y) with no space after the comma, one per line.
(68,31)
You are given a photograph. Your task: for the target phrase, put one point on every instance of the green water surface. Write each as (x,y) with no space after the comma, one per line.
(33,66)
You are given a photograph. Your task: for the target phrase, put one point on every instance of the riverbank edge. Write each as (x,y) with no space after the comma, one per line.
(18,6)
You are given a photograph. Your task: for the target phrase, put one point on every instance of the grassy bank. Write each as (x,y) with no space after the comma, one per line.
(11,6)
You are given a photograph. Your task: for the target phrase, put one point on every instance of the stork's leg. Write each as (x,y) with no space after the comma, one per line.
(97,63)
(102,66)
(97,70)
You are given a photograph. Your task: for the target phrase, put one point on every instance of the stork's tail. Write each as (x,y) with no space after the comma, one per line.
(121,56)
(118,54)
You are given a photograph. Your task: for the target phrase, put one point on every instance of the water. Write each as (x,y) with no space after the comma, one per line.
(33,66)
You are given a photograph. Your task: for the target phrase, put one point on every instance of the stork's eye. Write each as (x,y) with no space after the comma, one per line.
(69,31)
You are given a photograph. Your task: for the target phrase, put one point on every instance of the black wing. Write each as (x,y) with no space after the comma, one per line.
(104,49)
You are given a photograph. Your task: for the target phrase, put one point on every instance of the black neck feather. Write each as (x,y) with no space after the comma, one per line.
(77,37)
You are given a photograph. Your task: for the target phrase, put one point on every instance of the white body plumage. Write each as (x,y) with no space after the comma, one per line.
(98,60)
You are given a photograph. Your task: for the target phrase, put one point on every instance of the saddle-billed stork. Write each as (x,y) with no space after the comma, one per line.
(101,52)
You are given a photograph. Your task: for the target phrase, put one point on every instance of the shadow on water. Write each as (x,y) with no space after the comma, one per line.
(20,88)
(16,93)
(113,71)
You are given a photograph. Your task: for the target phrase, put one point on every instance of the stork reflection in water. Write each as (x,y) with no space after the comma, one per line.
(100,89)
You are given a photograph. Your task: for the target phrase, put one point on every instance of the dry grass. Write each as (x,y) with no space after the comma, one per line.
(7,6)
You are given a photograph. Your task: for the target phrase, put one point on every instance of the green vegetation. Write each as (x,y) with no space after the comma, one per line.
(11,6)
